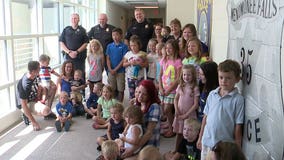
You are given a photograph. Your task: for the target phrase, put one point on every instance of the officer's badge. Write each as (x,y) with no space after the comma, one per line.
(146,26)
(107,29)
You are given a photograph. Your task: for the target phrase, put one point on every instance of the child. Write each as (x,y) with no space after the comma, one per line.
(92,102)
(160,50)
(166,31)
(152,59)
(105,102)
(187,148)
(133,131)
(194,55)
(114,57)
(208,76)
(224,110)
(110,151)
(150,152)
(77,83)
(64,112)
(169,77)
(63,82)
(130,61)
(45,76)
(116,124)
(186,100)
(96,61)
(78,107)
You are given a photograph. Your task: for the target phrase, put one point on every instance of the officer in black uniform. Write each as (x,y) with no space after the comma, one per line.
(102,31)
(73,42)
(141,27)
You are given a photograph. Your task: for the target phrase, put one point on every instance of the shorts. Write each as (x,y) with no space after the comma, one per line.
(45,84)
(169,99)
(38,108)
(204,152)
(117,81)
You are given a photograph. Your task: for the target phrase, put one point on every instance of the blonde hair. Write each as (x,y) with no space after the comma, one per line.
(194,122)
(194,77)
(95,42)
(110,150)
(63,94)
(118,107)
(150,152)
(109,88)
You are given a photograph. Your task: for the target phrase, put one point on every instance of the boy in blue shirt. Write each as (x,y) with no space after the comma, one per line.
(114,58)
(92,102)
(63,112)
(224,110)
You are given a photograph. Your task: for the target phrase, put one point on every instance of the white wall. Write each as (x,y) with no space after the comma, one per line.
(187,13)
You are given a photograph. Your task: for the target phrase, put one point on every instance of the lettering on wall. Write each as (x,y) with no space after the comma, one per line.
(263,8)
(246,67)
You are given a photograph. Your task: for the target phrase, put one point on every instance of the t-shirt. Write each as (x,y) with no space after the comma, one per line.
(130,56)
(106,106)
(27,88)
(188,150)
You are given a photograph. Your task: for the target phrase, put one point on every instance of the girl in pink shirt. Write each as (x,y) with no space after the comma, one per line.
(169,76)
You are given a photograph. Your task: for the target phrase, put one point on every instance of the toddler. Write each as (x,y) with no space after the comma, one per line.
(105,102)
(166,31)
(78,107)
(133,131)
(110,151)
(45,76)
(63,112)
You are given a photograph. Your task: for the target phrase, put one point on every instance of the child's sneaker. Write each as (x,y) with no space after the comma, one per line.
(67,125)
(26,119)
(58,126)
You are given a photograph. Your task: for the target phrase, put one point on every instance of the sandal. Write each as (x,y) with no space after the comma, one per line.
(169,134)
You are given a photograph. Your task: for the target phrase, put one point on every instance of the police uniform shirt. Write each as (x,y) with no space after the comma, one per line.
(104,35)
(143,30)
(74,38)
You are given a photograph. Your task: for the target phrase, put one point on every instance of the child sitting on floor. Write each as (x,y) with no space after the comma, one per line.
(187,149)
(116,125)
(63,112)
(92,102)
(110,151)
(105,102)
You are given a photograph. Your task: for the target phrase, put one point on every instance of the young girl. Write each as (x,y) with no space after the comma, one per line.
(63,82)
(116,124)
(152,59)
(194,55)
(131,61)
(186,100)
(169,76)
(96,62)
(208,75)
(133,131)
(160,50)
(105,102)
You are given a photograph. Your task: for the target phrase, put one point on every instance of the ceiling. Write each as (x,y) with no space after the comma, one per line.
(130,4)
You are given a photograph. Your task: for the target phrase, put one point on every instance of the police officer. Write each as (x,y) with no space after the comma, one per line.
(73,42)
(141,27)
(102,32)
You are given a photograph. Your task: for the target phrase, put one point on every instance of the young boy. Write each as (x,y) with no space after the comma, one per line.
(45,76)
(63,112)
(224,110)
(150,152)
(114,58)
(91,105)
(110,151)
(187,148)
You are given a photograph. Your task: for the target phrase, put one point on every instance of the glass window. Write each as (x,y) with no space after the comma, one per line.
(83,15)
(2,18)
(24,15)
(3,60)
(50,16)
(51,45)
(67,11)
(24,51)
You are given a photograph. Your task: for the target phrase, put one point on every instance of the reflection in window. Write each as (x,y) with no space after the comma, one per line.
(67,11)
(50,16)
(24,17)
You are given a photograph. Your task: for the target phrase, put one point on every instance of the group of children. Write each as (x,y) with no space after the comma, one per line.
(183,84)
